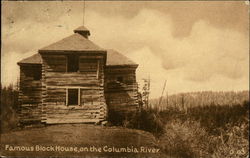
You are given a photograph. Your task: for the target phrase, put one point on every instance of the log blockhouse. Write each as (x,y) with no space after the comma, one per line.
(75,81)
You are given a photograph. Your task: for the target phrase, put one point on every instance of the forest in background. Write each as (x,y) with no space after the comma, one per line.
(203,98)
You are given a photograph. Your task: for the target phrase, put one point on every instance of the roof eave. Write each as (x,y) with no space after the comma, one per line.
(21,64)
(44,51)
(82,31)
(124,65)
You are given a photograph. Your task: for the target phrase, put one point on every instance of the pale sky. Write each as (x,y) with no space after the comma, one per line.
(195,46)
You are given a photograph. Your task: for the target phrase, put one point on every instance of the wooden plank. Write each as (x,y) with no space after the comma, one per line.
(98,69)
(79,96)
(72,116)
(73,74)
(72,111)
(56,121)
(84,57)
(82,87)
(52,106)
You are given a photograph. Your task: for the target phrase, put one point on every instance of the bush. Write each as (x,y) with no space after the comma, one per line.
(186,139)
(149,120)
(146,119)
(9,108)
(233,142)
(116,118)
(189,139)
(206,131)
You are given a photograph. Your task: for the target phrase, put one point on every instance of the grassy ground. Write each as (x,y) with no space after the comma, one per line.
(78,135)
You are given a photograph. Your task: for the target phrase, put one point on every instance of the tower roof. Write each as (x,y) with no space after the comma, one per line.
(34,59)
(75,42)
(115,58)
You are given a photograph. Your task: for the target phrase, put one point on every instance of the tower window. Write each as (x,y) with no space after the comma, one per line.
(37,75)
(73,63)
(34,72)
(120,79)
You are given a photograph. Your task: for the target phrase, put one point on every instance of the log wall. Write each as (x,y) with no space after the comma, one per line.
(89,80)
(121,96)
(45,100)
(30,94)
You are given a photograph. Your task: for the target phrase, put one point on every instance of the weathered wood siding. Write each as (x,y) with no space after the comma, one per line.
(121,96)
(89,79)
(30,94)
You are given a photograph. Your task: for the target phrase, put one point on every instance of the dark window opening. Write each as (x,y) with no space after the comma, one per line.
(32,72)
(37,75)
(120,79)
(73,63)
(72,96)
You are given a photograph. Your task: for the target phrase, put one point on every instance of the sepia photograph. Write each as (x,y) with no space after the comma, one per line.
(125,79)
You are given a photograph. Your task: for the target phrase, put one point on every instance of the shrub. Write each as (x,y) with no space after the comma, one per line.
(233,142)
(115,118)
(186,139)
(9,108)
(146,119)
(189,139)
(206,131)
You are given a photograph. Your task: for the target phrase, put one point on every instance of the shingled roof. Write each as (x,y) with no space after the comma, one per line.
(115,58)
(34,59)
(75,42)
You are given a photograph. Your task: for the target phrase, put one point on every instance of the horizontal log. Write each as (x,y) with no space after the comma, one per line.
(97,87)
(109,69)
(56,121)
(70,116)
(73,111)
(29,120)
(30,111)
(30,116)
(30,105)
(92,57)
(49,105)
(75,84)
(73,74)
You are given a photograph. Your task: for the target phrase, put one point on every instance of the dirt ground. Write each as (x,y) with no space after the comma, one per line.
(80,140)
